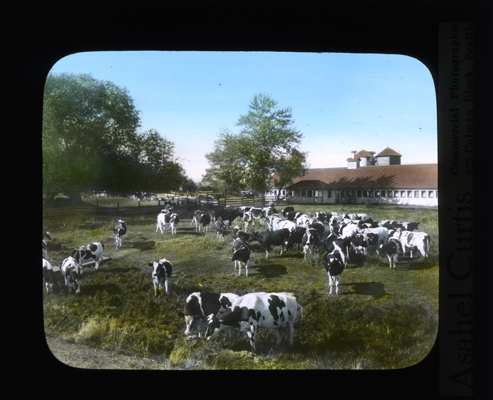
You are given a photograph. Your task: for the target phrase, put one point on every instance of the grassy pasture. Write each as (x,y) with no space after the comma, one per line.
(381,319)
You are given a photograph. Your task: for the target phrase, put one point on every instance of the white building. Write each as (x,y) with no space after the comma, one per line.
(368,178)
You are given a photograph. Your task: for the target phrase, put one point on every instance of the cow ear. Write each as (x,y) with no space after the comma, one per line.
(151,264)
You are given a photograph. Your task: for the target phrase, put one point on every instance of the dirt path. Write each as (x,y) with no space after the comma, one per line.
(88,357)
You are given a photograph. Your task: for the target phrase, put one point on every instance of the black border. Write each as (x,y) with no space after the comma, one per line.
(41,33)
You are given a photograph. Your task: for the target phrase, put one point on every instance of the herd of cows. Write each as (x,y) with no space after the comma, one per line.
(338,238)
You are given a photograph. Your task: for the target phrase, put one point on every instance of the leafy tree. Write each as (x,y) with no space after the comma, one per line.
(266,145)
(84,120)
(90,141)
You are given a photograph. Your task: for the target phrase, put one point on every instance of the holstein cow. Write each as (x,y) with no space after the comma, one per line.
(309,241)
(162,219)
(71,271)
(335,262)
(411,240)
(201,219)
(161,275)
(173,222)
(119,230)
(241,255)
(220,226)
(296,237)
(46,235)
(253,311)
(200,305)
(88,254)
(269,238)
(391,250)
(49,276)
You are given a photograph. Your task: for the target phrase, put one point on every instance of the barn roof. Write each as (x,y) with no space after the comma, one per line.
(388,152)
(364,153)
(405,176)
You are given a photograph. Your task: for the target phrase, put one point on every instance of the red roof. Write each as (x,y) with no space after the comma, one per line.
(404,176)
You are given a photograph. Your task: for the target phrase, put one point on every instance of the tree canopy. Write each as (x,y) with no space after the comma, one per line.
(267,144)
(91,141)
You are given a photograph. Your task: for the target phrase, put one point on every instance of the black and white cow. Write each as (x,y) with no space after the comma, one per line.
(253,311)
(161,275)
(413,240)
(220,226)
(287,210)
(198,306)
(162,219)
(309,241)
(268,238)
(392,250)
(174,219)
(88,254)
(241,255)
(71,271)
(201,219)
(49,276)
(46,235)
(296,237)
(335,262)
(119,230)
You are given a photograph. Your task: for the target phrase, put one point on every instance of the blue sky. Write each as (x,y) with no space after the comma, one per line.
(340,101)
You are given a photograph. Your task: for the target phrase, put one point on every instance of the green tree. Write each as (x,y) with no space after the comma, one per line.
(91,142)
(266,145)
(84,120)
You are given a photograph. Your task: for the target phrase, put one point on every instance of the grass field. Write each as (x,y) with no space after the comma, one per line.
(381,319)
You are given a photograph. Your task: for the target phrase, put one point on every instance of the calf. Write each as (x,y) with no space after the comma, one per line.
(220,226)
(119,230)
(88,254)
(241,255)
(391,250)
(260,310)
(269,238)
(200,305)
(161,275)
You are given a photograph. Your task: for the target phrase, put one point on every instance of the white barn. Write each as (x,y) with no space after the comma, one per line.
(368,178)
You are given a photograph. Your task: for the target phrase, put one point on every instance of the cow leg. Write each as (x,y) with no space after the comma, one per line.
(246,268)
(290,332)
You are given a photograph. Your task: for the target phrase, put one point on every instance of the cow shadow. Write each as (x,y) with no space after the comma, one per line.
(375,289)
(268,271)
(420,264)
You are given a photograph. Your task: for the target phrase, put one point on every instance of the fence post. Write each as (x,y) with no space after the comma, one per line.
(118,207)
(138,208)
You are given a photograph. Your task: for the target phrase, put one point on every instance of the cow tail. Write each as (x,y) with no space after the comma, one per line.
(300,310)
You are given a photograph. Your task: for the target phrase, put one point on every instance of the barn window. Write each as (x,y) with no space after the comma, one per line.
(283,192)
(384,193)
(396,193)
(359,193)
(403,193)
(423,193)
(370,193)
(308,193)
(365,193)
(430,194)
(416,193)
(377,193)
(329,193)
(409,193)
